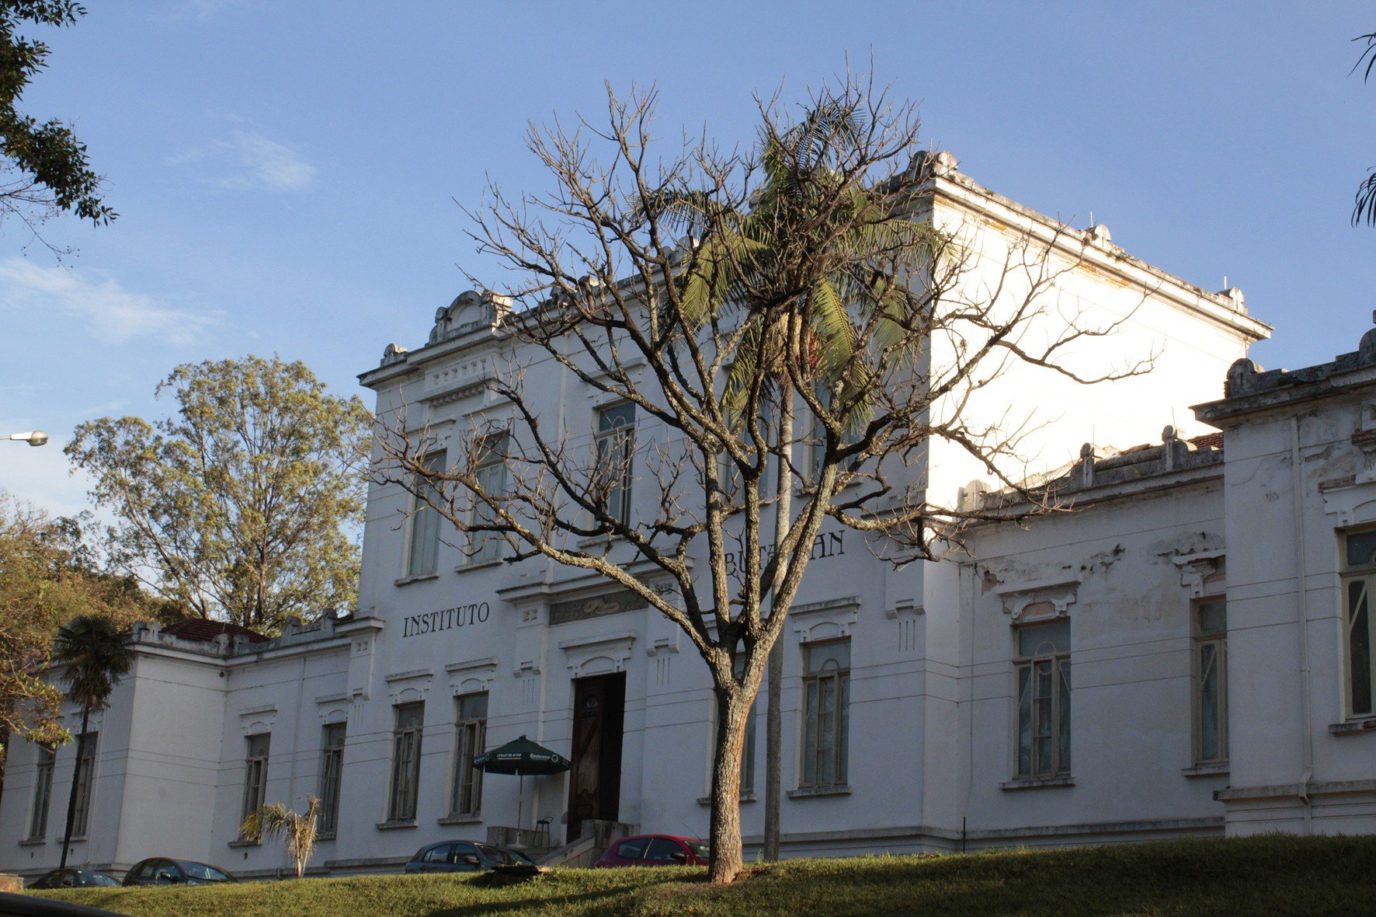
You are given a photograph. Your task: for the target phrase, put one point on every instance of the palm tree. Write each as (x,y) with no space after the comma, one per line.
(802,317)
(94,654)
(1365,207)
(278,820)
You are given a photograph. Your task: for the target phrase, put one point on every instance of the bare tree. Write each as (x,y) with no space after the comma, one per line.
(789,329)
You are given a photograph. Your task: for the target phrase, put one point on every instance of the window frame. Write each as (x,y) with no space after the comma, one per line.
(255,772)
(1026,668)
(1202,641)
(423,533)
(1359,675)
(84,775)
(814,754)
(486,547)
(45,763)
(470,740)
(620,437)
(333,737)
(403,792)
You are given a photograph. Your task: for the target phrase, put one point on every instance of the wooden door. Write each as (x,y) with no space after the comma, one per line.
(599,706)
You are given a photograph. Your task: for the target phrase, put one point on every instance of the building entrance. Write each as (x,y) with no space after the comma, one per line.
(599,708)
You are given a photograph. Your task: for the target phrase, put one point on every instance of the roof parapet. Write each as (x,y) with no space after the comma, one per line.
(1095,476)
(1250,388)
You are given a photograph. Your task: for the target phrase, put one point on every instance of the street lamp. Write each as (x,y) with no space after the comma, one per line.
(33,437)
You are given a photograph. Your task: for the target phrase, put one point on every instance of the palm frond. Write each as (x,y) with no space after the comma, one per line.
(1365,206)
(278,820)
(829,323)
(1368,54)
(94,654)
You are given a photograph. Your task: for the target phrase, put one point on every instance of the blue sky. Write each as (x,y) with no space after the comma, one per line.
(287,173)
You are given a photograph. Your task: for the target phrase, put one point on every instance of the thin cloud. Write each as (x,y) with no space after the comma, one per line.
(198,10)
(250,161)
(103,306)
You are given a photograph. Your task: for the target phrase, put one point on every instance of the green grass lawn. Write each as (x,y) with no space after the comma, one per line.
(1268,875)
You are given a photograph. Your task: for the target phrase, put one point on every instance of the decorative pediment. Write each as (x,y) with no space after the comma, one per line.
(405,687)
(825,620)
(1352,502)
(1202,572)
(598,654)
(471,675)
(468,312)
(255,720)
(333,708)
(1027,603)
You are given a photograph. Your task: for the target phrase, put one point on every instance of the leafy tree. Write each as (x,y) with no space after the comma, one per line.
(44,168)
(805,290)
(280,820)
(1365,206)
(236,507)
(94,654)
(47,577)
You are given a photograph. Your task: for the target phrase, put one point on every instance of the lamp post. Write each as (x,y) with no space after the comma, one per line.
(33,437)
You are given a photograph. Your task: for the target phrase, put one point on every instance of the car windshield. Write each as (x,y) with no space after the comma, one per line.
(700,849)
(202,872)
(100,878)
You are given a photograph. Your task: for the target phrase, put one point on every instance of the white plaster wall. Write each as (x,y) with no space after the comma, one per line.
(1130,656)
(1289,734)
(1160,322)
(99,846)
(274,693)
(173,752)
(154,790)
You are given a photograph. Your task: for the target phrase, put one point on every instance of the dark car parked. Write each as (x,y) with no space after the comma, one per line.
(655,850)
(73,878)
(516,857)
(165,871)
(463,856)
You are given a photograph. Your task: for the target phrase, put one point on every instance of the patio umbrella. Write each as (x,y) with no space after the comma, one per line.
(520,757)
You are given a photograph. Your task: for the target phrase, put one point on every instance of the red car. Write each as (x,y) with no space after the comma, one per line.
(655,850)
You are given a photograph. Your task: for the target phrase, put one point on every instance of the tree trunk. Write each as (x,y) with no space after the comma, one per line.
(71,797)
(733,711)
(773,722)
(773,751)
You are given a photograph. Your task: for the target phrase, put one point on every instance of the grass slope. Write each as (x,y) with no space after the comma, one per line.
(1268,875)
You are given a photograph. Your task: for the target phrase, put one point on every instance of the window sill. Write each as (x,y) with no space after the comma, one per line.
(473,819)
(1213,769)
(1353,727)
(1037,783)
(326,836)
(245,842)
(479,565)
(810,792)
(33,842)
(610,540)
(396,825)
(746,796)
(420,578)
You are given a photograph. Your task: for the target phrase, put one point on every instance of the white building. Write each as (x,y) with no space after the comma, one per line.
(1186,651)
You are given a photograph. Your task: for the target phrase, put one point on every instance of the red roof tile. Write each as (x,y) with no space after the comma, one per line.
(203,630)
